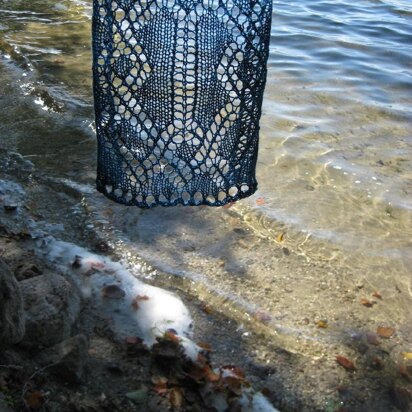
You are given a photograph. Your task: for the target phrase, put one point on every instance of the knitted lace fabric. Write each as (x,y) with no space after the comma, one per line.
(178,88)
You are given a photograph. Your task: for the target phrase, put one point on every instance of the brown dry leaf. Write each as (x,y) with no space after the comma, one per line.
(113,292)
(206,309)
(260,201)
(377,295)
(212,376)
(366,302)
(35,400)
(171,334)
(205,346)
(160,388)
(322,324)
(197,373)
(234,384)
(176,397)
(157,379)
(406,372)
(346,363)
(142,297)
(201,359)
(262,316)
(385,332)
(407,355)
(280,237)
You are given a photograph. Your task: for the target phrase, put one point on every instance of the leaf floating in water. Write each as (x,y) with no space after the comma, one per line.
(372,338)
(366,302)
(385,332)
(407,355)
(346,363)
(35,400)
(113,292)
(406,372)
(262,316)
(377,363)
(377,295)
(322,324)
(260,201)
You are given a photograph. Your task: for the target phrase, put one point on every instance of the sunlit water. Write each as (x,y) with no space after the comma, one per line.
(333,213)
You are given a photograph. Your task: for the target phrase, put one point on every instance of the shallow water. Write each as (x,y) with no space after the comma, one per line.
(332,219)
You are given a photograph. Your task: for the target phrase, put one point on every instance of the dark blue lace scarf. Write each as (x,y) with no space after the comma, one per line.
(178,88)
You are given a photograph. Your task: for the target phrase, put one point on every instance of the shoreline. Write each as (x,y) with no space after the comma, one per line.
(56,365)
(273,361)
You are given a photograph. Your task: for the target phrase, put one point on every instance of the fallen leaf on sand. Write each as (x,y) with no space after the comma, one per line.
(322,324)
(113,292)
(346,363)
(377,295)
(176,397)
(206,309)
(280,237)
(385,332)
(407,355)
(366,302)
(205,346)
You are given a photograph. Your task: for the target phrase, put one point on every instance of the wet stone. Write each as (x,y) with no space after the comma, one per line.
(12,319)
(52,306)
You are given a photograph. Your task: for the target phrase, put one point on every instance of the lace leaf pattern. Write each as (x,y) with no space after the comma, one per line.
(178,88)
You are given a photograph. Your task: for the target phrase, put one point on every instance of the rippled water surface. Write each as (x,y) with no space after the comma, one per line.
(334,205)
